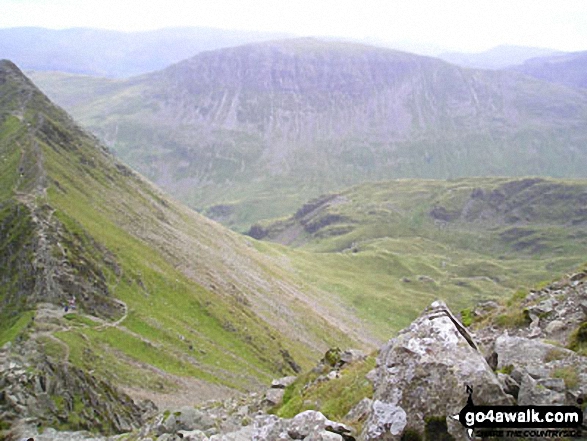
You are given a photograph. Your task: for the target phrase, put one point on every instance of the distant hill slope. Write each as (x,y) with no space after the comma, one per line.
(566,69)
(114,54)
(408,240)
(499,57)
(507,216)
(165,299)
(252,132)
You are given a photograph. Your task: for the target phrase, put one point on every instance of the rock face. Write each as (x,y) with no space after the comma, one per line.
(422,376)
(54,393)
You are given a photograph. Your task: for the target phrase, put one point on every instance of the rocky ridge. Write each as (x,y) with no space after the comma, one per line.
(421,377)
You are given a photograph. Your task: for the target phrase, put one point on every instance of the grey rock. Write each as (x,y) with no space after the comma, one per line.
(305,423)
(267,427)
(282,383)
(555,384)
(372,376)
(532,392)
(555,326)
(308,425)
(528,354)
(360,411)
(535,330)
(333,375)
(274,396)
(244,434)
(51,434)
(192,435)
(385,419)
(351,356)
(542,309)
(483,308)
(423,372)
(324,436)
(510,386)
(184,419)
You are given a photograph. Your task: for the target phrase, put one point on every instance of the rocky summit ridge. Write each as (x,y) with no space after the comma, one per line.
(420,379)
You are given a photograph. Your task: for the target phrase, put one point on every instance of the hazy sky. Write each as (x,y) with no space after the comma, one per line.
(465,25)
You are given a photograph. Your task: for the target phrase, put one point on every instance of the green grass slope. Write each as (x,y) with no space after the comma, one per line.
(162,293)
(391,247)
(252,132)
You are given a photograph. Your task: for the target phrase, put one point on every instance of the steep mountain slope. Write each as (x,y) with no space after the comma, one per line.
(252,132)
(165,300)
(114,54)
(566,69)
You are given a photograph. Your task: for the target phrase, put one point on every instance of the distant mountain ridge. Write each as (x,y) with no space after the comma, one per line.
(251,132)
(499,57)
(114,54)
(565,69)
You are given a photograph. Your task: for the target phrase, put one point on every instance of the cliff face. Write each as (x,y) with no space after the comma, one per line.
(306,90)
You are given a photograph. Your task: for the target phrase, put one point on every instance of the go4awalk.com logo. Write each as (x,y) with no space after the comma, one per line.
(520,421)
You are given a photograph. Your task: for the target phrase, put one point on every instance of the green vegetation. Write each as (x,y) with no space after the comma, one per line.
(467,316)
(160,290)
(569,374)
(53,347)
(388,249)
(334,398)
(578,339)
(164,292)
(9,330)
(507,370)
(554,354)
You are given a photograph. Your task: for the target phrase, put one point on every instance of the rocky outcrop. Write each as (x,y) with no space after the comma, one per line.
(534,362)
(47,393)
(422,375)
(309,425)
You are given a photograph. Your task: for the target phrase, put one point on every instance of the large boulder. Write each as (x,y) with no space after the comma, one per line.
(309,426)
(546,373)
(422,376)
(185,418)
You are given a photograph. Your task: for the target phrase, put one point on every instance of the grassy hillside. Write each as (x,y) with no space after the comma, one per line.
(388,248)
(163,295)
(252,132)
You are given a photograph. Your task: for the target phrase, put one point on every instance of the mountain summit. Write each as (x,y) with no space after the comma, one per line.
(253,131)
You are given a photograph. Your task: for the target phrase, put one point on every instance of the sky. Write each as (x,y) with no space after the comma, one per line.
(440,25)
